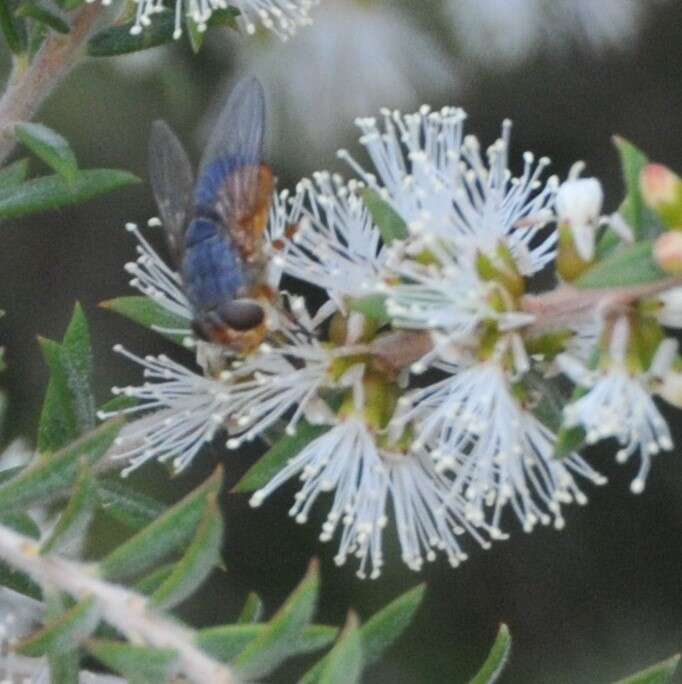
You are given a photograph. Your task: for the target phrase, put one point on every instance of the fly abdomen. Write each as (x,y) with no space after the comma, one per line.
(212,270)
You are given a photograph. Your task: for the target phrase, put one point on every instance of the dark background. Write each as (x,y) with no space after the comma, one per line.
(590,604)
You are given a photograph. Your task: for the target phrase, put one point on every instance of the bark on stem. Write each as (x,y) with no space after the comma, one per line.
(28,87)
(127,611)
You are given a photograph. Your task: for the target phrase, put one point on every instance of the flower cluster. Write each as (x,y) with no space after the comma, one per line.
(426,385)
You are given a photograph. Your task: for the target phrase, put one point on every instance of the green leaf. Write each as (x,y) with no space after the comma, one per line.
(228,641)
(69,406)
(496,660)
(373,307)
(65,667)
(151,582)
(196,37)
(225,17)
(76,517)
(31,10)
(252,611)
(569,440)
(14,36)
(661,673)
(138,664)
(49,146)
(631,265)
(388,221)
(52,192)
(275,458)
(165,535)
(48,477)
(22,523)
(343,664)
(380,631)
(283,632)
(118,40)
(64,633)
(201,557)
(124,504)
(14,173)
(148,313)
(19,582)
(633,210)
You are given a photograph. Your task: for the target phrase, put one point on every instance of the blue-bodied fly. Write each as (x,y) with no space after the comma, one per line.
(215,226)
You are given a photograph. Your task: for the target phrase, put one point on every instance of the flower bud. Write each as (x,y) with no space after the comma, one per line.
(668,252)
(670,308)
(578,206)
(662,191)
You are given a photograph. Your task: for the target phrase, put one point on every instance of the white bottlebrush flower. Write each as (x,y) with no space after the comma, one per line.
(315,84)
(282,17)
(618,403)
(670,307)
(335,246)
(507,31)
(363,478)
(500,454)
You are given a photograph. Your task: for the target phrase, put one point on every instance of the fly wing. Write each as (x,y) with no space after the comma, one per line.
(171,177)
(230,168)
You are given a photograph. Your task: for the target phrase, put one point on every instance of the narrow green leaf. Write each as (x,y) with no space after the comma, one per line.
(275,458)
(118,403)
(225,17)
(496,660)
(70,5)
(52,192)
(124,504)
(19,582)
(201,557)
(65,667)
(380,631)
(32,10)
(281,634)
(64,633)
(633,209)
(14,173)
(8,25)
(252,611)
(165,535)
(138,664)
(390,224)
(344,663)
(118,40)
(151,582)
(148,313)
(76,517)
(49,146)
(661,673)
(631,265)
(373,307)
(48,477)
(226,642)
(22,523)
(196,37)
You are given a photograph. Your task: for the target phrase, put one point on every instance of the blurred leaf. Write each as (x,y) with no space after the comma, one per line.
(201,557)
(151,582)
(64,633)
(343,664)
(569,440)
(19,582)
(496,660)
(388,221)
(283,632)
(196,37)
(633,210)
(65,667)
(52,192)
(252,611)
(22,523)
(126,505)
(631,265)
(118,40)
(373,307)
(76,517)
(8,24)
(380,631)
(47,477)
(32,10)
(14,173)
(148,313)
(276,457)
(225,17)
(49,146)
(661,673)
(69,5)
(118,403)
(163,536)
(69,406)
(138,664)
(228,641)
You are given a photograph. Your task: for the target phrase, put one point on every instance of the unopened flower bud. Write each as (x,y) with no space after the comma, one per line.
(578,206)
(668,252)
(670,308)
(662,192)
(670,388)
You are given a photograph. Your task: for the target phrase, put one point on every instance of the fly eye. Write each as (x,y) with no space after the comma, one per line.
(242,315)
